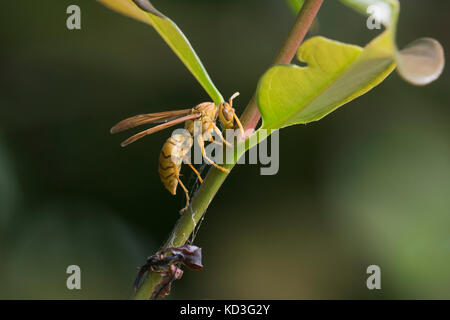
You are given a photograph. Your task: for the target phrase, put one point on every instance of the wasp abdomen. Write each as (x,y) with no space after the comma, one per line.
(171,158)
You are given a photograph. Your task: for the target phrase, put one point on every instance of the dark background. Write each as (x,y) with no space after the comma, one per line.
(369,184)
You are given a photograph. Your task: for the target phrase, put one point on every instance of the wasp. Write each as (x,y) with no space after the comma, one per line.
(176,148)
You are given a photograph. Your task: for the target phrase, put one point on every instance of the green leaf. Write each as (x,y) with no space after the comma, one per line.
(295,5)
(144,11)
(423,60)
(336,74)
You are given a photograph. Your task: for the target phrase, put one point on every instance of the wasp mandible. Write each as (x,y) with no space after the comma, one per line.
(175,149)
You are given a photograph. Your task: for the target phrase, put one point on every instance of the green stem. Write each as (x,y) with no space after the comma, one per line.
(212,183)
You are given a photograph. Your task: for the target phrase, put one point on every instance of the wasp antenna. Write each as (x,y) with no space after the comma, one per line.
(233,96)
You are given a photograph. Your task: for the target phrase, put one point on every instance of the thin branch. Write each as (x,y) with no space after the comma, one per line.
(250,118)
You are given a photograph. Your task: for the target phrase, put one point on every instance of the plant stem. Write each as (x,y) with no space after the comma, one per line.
(212,183)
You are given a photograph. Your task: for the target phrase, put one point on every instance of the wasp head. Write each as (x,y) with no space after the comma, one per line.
(226,112)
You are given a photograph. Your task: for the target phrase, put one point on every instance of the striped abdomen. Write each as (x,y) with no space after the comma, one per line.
(170,160)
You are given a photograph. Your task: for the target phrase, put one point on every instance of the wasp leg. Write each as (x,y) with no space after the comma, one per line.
(217,130)
(215,142)
(239,124)
(187,196)
(211,139)
(196,172)
(202,148)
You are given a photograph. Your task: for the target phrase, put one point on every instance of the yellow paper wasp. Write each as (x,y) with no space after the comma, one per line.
(175,149)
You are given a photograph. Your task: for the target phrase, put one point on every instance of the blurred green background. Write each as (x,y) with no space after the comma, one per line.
(369,184)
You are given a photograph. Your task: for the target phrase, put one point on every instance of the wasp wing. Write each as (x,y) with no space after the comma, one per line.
(141,119)
(160,127)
